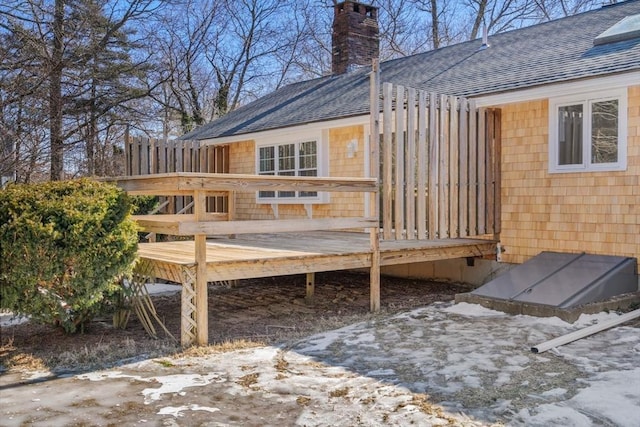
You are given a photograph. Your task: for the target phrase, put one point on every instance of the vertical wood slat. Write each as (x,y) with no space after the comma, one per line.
(387,160)
(153,155)
(454,165)
(209,166)
(482,179)
(374,139)
(399,184)
(135,149)
(374,171)
(187,158)
(179,167)
(473,169)
(144,156)
(422,159)
(130,165)
(410,166)
(490,144)
(434,174)
(463,189)
(497,161)
(162,156)
(443,187)
(203,158)
(195,156)
(171,167)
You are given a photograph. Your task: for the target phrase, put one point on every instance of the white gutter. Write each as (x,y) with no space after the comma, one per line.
(590,330)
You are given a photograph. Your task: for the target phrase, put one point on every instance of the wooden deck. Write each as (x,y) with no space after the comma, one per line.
(294,246)
(278,254)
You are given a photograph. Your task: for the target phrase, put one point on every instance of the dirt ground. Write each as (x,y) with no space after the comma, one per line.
(278,361)
(263,311)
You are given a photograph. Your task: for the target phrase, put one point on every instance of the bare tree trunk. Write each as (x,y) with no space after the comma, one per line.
(92,130)
(482,6)
(435,24)
(55,94)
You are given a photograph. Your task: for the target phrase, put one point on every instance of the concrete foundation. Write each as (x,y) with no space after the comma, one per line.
(475,272)
(622,302)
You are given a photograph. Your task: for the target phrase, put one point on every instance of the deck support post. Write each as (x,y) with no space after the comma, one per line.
(311,286)
(188,322)
(202,300)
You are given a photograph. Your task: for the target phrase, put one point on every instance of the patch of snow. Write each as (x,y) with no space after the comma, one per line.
(552,415)
(591,319)
(607,400)
(177,411)
(163,289)
(177,383)
(472,310)
(105,375)
(10,319)
(556,392)
(381,373)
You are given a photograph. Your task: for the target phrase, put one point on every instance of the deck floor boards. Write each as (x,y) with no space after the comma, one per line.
(260,255)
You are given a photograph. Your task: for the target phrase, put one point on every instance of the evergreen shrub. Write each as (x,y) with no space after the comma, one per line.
(64,246)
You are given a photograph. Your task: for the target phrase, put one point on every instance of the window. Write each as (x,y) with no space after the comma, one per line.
(588,133)
(291,159)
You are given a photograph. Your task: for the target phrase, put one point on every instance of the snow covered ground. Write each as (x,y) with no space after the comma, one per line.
(476,361)
(443,364)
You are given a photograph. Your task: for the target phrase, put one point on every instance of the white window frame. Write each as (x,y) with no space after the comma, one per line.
(321,163)
(587,99)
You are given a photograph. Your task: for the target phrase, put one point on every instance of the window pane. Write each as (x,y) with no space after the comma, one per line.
(286,158)
(604,132)
(299,159)
(570,135)
(308,155)
(267,159)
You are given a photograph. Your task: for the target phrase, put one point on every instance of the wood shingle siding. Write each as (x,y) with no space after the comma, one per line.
(594,212)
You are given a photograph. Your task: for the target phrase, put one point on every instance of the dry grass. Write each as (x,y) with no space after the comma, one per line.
(421,401)
(341,392)
(224,347)
(255,313)
(248,380)
(303,400)
(281,364)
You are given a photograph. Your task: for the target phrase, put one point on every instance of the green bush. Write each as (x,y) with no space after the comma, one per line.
(63,248)
(142,205)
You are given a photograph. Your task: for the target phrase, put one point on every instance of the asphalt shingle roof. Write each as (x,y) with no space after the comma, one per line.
(551,52)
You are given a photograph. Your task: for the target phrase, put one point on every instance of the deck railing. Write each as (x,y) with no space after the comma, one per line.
(203,223)
(439,165)
(149,156)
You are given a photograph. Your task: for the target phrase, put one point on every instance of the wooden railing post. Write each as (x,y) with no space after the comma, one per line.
(202,300)
(374,172)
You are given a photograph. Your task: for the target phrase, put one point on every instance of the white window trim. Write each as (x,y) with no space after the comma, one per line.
(587,98)
(322,165)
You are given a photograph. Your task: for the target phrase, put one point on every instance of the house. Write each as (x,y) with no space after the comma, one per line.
(568,92)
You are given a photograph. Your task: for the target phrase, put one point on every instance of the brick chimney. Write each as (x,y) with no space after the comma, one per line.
(355,40)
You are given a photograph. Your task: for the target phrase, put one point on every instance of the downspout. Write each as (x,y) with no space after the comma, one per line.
(582,333)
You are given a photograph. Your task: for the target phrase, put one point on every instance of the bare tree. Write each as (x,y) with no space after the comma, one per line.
(553,9)
(219,54)
(64,41)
